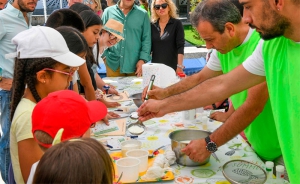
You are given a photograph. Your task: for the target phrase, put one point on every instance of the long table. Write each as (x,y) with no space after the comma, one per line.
(157,134)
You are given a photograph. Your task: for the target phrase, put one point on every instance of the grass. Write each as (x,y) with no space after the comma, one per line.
(192,37)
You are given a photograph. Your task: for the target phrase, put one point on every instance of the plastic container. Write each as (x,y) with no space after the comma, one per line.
(129,167)
(269,169)
(142,155)
(189,118)
(279,174)
(204,120)
(130,145)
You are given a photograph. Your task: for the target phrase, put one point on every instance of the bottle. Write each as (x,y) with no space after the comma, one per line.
(279,174)
(181,75)
(269,169)
(189,118)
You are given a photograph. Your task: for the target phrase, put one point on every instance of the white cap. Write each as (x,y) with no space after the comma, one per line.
(41,42)
(279,168)
(269,164)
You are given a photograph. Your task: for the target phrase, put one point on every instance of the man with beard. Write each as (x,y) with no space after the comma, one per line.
(16,17)
(233,41)
(2,4)
(275,60)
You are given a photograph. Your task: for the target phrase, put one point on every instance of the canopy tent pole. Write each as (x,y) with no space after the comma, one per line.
(45,9)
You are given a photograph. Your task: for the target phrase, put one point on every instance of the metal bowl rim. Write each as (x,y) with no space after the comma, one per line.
(186,130)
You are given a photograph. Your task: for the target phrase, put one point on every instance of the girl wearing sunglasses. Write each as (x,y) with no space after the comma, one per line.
(166,32)
(44,64)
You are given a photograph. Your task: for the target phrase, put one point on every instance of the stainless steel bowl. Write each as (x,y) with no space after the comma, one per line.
(137,99)
(180,139)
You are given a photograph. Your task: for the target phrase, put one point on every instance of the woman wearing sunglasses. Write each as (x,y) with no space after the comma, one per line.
(166,32)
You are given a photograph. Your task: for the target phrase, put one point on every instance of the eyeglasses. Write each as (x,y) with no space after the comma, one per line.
(157,6)
(71,72)
(113,37)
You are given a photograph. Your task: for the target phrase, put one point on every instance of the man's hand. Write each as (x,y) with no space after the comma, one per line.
(155,93)
(196,150)
(150,109)
(139,65)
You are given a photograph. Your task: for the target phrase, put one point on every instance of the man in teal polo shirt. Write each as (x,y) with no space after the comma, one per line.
(16,17)
(275,60)
(128,56)
(233,41)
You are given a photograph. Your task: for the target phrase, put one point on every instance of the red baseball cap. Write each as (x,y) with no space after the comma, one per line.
(68,110)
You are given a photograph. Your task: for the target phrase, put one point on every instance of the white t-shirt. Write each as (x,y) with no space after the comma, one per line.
(255,63)
(214,62)
(32,172)
(100,60)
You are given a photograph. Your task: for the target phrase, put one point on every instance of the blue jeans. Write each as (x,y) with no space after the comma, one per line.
(4,139)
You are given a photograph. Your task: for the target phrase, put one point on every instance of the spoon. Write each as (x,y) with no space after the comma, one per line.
(155,152)
(138,127)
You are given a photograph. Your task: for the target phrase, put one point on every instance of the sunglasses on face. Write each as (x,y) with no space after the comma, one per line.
(157,6)
(113,37)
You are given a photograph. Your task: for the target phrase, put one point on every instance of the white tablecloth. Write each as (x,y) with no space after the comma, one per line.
(157,134)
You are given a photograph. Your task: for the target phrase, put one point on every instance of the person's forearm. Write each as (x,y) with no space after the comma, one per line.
(100,83)
(86,82)
(180,59)
(191,81)
(212,90)
(182,86)
(241,118)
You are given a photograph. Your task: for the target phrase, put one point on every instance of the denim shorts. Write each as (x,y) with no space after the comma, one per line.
(5,133)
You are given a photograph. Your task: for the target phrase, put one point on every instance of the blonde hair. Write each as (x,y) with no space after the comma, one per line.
(172,12)
(99,7)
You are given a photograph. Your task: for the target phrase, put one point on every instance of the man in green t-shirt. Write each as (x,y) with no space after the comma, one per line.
(275,60)
(234,41)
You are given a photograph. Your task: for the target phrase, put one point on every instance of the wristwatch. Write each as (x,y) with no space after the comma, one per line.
(180,66)
(211,146)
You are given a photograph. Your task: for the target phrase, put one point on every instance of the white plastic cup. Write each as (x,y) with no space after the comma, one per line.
(200,110)
(129,166)
(142,155)
(130,145)
(189,117)
(204,121)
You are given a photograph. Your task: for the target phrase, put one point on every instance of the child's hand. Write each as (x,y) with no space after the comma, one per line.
(112,115)
(105,120)
(113,91)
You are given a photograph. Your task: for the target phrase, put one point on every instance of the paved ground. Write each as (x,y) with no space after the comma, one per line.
(191,51)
